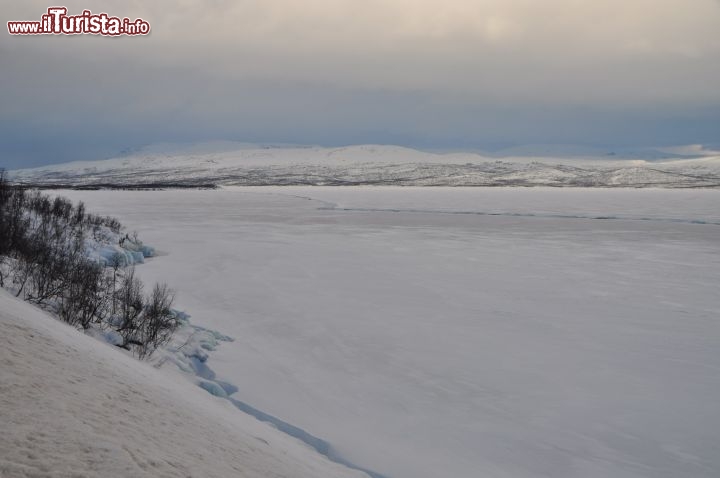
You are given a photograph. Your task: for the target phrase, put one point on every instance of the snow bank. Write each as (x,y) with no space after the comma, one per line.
(73,406)
(123,250)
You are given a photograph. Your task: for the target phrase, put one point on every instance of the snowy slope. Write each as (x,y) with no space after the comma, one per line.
(71,406)
(253,165)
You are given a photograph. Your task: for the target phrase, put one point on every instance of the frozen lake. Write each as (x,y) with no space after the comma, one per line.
(444,332)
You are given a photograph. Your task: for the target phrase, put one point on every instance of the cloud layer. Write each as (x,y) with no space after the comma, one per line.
(464,73)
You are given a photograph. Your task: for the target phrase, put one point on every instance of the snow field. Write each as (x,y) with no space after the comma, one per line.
(420,340)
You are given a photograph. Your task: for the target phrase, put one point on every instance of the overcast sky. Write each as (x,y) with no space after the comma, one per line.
(451,74)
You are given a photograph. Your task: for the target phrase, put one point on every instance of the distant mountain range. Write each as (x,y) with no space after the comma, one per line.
(228,163)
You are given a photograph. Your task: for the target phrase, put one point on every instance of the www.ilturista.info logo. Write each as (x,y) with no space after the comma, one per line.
(57,22)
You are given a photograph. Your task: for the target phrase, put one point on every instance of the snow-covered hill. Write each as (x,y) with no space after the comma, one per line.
(73,406)
(246,164)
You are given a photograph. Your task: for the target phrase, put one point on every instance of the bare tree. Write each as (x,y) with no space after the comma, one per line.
(158,321)
(86,299)
(131,305)
(116,262)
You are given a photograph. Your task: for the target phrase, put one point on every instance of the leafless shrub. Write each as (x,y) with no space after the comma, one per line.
(42,241)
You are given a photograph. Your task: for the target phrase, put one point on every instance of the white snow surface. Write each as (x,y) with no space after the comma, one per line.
(72,406)
(423,337)
(230,163)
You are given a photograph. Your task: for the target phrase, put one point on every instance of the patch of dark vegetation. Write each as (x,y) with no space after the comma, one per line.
(44,260)
(157,186)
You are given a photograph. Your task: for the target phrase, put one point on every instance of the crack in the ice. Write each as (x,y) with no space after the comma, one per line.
(520,214)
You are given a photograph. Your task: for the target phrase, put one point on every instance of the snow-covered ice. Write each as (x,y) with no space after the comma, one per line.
(72,406)
(458,332)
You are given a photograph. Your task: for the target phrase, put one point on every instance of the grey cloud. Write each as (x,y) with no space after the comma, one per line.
(421,73)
